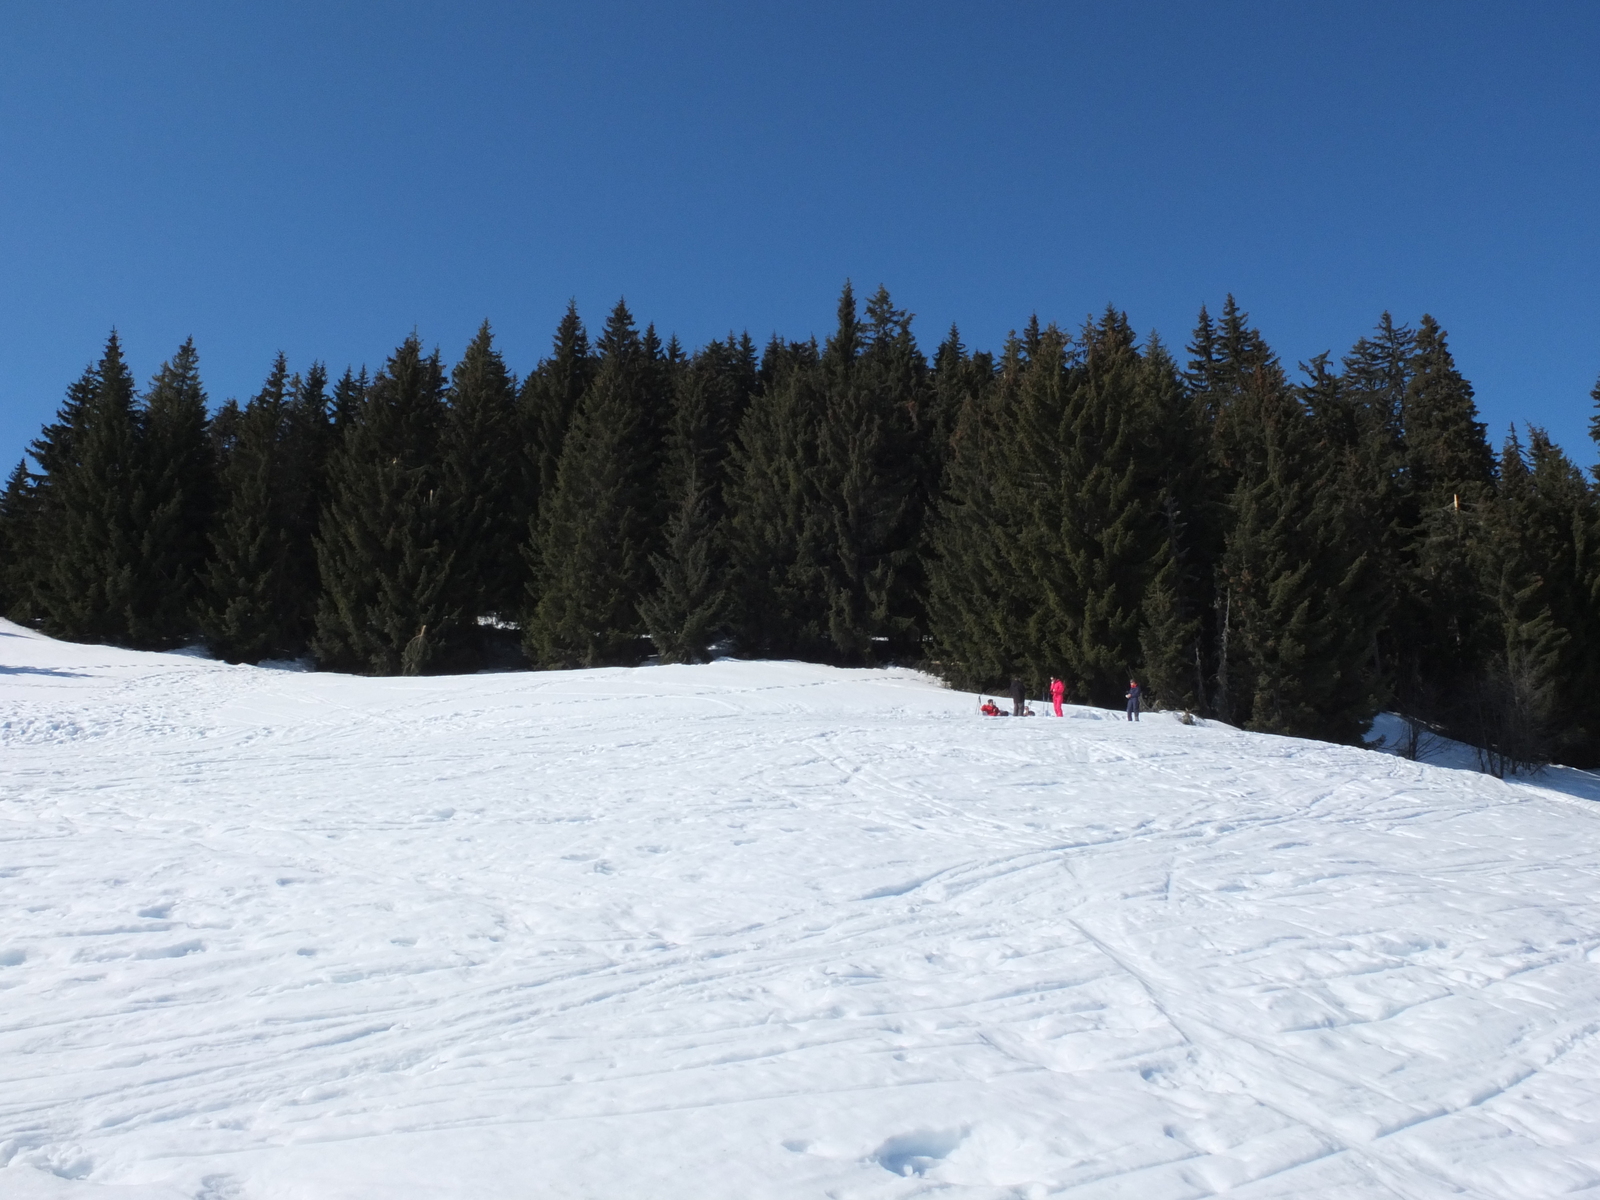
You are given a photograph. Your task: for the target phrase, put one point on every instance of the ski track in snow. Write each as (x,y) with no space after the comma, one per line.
(763,930)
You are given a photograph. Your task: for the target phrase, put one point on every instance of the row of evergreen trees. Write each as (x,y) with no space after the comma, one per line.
(1288,555)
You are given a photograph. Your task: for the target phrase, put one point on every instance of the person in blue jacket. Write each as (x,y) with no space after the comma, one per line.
(1133,699)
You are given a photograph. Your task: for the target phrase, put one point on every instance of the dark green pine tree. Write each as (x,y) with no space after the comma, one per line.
(595,531)
(956,376)
(1231,369)
(1559,524)
(348,395)
(249,613)
(309,438)
(1452,628)
(1178,595)
(88,585)
(1352,427)
(175,501)
(775,534)
(734,381)
(978,600)
(386,562)
(1226,360)
(1097,523)
(32,500)
(19,505)
(870,374)
(548,400)
(685,610)
(1378,493)
(484,479)
(1446,449)
(1594,421)
(1042,473)
(1302,607)
(1510,706)
(1170,629)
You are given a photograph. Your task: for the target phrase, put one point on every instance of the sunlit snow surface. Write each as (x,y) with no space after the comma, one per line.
(763,930)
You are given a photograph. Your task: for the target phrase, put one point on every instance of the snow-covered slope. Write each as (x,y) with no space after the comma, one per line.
(762,930)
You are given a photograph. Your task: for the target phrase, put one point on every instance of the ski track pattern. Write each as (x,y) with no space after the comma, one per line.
(763,930)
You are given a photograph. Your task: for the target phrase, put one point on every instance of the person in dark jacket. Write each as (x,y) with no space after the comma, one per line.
(1019,695)
(1133,699)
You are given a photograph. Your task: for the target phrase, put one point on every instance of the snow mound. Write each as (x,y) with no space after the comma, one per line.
(755,930)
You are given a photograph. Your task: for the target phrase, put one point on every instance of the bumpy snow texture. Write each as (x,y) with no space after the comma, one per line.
(763,930)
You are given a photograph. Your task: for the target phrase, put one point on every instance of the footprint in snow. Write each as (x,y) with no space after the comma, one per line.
(918,1152)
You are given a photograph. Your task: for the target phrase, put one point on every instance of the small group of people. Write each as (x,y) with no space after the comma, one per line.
(1058,695)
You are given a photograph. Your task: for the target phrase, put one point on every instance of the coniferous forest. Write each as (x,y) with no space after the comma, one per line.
(1291,552)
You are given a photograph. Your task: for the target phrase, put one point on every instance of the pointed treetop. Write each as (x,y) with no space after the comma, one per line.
(275,388)
(621,335)
(886,323)
(1110,336)
(112,375)
(571,340)
(1032,337)
(845,343)
(311,392)
(481,363)
(652,343)
(1513,463)
(1594,421)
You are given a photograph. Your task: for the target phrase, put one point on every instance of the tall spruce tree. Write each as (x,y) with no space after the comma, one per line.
(483,476)
(549,397)
(386,562)
(174,502)
(955,376)
(871,375)
(1442,651)
(1594,422)
(1508,706)
(1359,423)
(348,395)
(595,531)
(89,584)
(1302,605)
(1178,594)
(978,602)
(1298,608)
(775,533)
(1556,517)
(685,609)
(1091,445)
(1224,359)
(309,438)
(18,518)
(249,613)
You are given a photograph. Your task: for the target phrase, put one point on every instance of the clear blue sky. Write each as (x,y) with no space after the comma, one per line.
(325,177)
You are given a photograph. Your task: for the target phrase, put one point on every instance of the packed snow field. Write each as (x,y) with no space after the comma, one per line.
(757,930)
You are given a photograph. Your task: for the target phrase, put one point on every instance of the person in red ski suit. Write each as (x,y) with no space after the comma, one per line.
(1058,692)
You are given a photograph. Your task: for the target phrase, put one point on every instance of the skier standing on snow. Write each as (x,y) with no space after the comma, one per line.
(1133,699)
(1019,695)
(1058,692)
